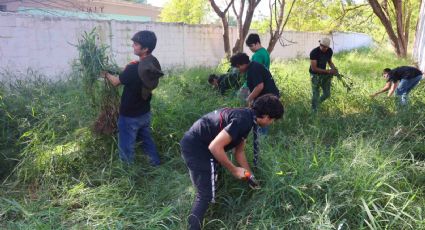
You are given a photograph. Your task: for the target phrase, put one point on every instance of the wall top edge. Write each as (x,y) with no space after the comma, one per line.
(53,17)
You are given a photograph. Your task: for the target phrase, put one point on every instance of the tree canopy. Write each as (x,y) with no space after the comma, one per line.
(397,18)
(355,16)
(186,11)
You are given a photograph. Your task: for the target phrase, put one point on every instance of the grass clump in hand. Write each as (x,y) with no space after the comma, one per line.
(94,59)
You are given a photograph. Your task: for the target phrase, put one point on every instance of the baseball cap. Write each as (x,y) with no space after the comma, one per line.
(325,42)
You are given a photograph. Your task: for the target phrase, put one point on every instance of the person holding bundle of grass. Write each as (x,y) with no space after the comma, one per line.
(139,79)
(204,146)
(320,76)
(401,80)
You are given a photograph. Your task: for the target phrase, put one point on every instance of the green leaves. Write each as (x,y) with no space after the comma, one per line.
(186,11)
(94,59)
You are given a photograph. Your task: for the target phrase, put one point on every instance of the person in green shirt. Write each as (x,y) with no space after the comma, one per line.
(260,53)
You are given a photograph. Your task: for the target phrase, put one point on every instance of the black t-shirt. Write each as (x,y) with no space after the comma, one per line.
(257,74)
(321,57)
(403,72)
(228,81)
(132,103)
(223,84)
(237,123)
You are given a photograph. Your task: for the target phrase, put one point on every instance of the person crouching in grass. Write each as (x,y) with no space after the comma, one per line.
(224,82)
(204,146)
(400,80)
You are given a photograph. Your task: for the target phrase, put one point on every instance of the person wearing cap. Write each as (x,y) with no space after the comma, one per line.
(134,120)
(321,77)
(204,146)
(400,80)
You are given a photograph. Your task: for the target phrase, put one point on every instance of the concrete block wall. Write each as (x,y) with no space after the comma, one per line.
(299,44)
(45,44)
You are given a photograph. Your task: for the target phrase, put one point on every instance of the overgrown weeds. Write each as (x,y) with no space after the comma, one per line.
(94,59)
(357,164)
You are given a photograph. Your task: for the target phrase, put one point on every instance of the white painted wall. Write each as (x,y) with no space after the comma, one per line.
(44,43)
(419,48)
(299,44)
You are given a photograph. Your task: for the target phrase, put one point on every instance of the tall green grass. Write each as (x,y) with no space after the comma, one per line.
(357,164)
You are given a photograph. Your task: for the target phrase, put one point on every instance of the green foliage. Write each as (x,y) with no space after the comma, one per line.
(262,26)
(94,59)
(357,164)
(186,11)
(329,15)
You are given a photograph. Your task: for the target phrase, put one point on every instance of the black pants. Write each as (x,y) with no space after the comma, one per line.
(203,174)
(205,185)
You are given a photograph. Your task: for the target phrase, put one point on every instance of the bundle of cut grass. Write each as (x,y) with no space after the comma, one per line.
(346,81)
(93,59)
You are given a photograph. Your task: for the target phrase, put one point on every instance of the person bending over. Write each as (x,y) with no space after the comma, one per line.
(204,146)
(400,80)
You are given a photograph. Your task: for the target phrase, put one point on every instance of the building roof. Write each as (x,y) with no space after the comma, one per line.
(81,14)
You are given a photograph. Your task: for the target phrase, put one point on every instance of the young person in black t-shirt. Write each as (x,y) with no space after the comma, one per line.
(320,76)
(135,116)
(401,80)
(259,79)
(229,80)
(205,145)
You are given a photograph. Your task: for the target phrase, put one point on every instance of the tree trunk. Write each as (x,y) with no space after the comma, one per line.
(272,42)
(243,29)
(225,24)
(226,38)
(275,34)
(399,38)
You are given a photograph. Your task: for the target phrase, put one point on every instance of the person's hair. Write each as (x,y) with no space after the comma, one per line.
(268,104)
(387,70)
(252,39)
(211,78)
(239,59)
(146,38)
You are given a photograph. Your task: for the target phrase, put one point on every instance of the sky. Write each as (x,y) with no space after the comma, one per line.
(159,3)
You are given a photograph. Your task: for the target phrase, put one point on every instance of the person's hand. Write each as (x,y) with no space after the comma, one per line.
(103,73)
(250,102)
(333,71)
(252,182)
(239,173)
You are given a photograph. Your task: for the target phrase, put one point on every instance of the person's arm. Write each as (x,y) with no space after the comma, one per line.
(333,69)
(393,87)
(241,157)
(115,81)
(217,149)
(254,94)
(384,89)
(318,70)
